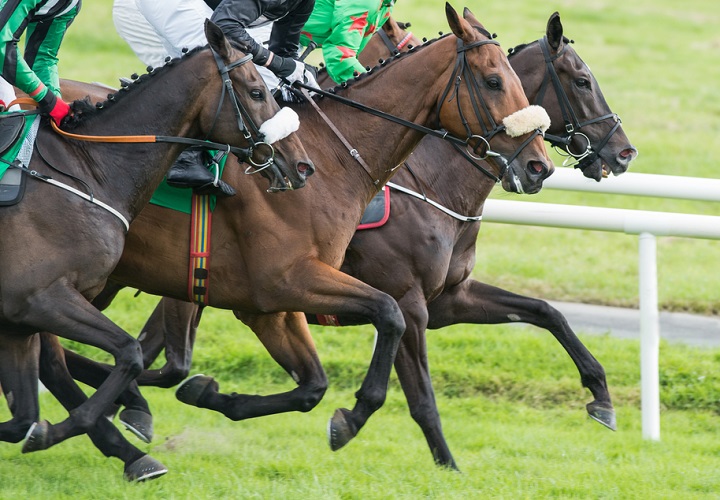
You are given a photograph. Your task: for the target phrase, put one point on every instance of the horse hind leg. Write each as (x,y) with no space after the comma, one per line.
(479,303)
(19,360)
(287,339)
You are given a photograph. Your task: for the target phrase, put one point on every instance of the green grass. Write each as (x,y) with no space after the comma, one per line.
(512,406)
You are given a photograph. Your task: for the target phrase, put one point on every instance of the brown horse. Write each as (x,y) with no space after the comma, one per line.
(441,292)
(316,224)
(52,261)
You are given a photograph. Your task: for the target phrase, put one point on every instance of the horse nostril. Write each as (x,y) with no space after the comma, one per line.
(537,167)
(627,153)
(306,169)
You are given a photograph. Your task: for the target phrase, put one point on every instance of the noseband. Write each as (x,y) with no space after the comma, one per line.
(572,124)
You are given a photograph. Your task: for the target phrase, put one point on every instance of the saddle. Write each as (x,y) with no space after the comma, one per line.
(12,183)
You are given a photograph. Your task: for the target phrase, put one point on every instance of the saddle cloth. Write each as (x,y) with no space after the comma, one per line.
(17,139)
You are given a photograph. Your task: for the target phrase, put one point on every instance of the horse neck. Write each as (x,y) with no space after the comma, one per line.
(131,172)
(404,88)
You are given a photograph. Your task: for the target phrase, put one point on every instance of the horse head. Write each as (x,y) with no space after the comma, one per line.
(485,103)
(276,151)
(583,127)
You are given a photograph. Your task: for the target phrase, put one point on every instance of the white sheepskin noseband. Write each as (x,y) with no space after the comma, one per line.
(285,122)
(526,120)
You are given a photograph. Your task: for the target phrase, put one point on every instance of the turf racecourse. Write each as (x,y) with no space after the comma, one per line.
(511,402)
(512,410)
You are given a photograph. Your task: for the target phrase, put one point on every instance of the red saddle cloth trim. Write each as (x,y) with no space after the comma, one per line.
(385,193)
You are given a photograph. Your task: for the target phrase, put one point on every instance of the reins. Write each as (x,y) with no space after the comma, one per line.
(460,70)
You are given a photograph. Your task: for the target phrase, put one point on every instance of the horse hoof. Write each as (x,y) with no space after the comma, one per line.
(191,390)
(340,430)
(139,423)
(603,414)
(36,438)
(144,468)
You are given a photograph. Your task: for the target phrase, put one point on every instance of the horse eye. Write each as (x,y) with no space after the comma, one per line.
(582,82)
(257,94)
(493,83)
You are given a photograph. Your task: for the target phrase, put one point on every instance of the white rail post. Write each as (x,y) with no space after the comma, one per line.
(649,338)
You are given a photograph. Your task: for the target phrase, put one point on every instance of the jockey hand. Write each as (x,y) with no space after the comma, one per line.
(55,107)
(297,74)
(309,76)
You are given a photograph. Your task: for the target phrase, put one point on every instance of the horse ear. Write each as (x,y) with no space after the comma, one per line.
(554,31)
(459,26)
(216,39)
(470,17)
(390,25)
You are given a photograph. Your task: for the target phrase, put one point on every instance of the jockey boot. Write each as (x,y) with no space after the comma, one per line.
(189,171)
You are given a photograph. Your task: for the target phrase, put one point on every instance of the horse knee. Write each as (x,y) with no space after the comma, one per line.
(311,397)
(130,358)
(425,416)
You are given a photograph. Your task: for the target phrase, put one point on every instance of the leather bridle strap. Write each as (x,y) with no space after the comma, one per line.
(572,123)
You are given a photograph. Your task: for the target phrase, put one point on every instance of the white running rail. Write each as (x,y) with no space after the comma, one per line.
(646,224)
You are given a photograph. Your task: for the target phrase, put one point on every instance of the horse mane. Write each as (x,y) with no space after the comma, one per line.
(384,63)
(84,109)
(514,50)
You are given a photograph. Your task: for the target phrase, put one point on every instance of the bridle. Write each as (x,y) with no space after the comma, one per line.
(241,115)
(573,125)
(393,47)
(460,72)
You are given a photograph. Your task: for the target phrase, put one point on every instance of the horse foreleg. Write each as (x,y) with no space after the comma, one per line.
(478,303)
(136,416)
(19,358)
(63,310)
(139,466)
(328,291)
(413,373)
(287,339)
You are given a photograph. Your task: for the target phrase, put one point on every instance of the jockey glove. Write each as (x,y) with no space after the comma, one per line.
(53,106)
(283,67)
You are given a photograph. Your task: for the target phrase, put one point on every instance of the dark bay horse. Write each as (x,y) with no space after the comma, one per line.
(441,292)
(314,226)
(58,250)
